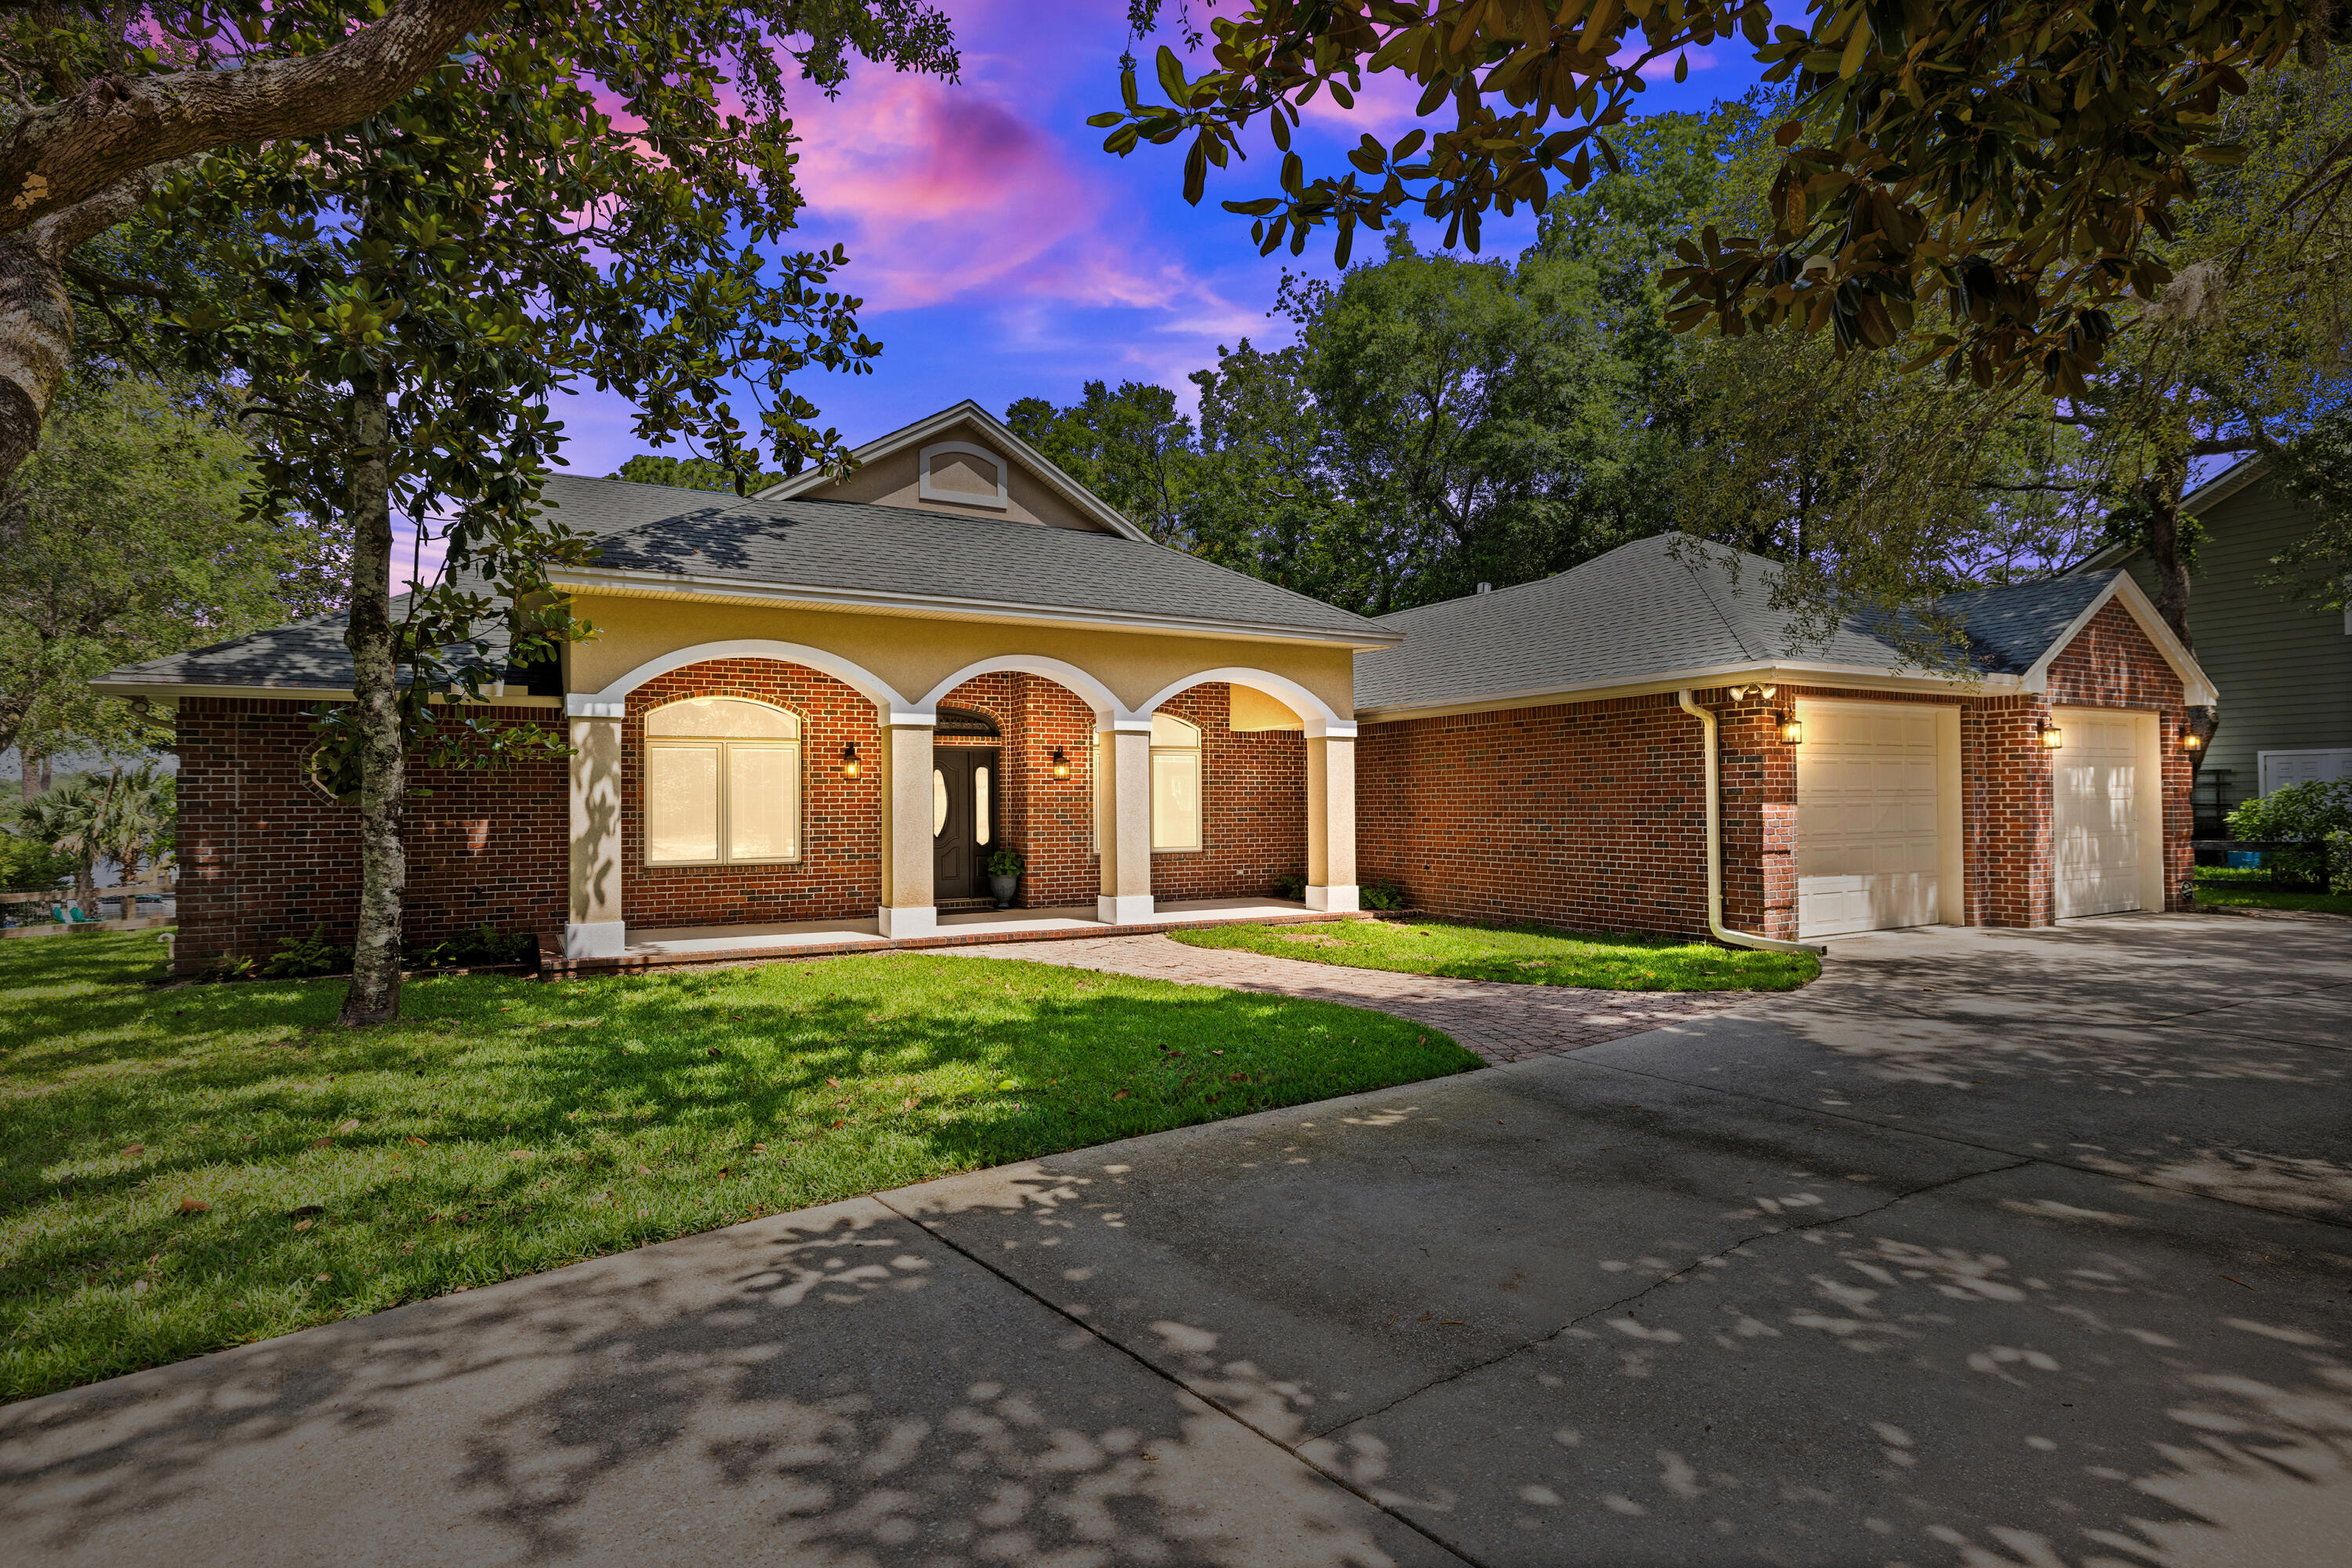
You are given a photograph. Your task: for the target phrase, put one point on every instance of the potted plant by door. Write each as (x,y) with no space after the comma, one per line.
(1005,869)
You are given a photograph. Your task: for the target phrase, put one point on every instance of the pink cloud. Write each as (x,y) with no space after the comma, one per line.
(941,192)
(1386,106)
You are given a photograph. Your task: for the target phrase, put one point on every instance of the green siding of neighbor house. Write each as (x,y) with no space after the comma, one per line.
(2284,671)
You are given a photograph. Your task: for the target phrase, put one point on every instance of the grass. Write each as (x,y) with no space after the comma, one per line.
(2226,887)
(1530,954)
(505,1126)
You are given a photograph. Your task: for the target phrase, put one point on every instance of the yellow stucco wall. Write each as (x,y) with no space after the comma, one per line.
(892,480)
(913,655)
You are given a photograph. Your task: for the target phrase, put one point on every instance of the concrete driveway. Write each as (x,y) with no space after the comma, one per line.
(1992,1249)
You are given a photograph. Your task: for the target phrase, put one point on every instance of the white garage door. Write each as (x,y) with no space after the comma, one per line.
(2102,818)
(1867,817)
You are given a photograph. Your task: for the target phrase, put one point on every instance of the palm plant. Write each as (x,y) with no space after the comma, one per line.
(125,817)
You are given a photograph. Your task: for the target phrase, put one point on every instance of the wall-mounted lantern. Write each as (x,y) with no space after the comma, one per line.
(2190,740)
(1792,729)
(1061,763)
(2050,736)
(850,766)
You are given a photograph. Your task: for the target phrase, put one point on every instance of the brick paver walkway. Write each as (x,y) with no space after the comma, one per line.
(1502,1022)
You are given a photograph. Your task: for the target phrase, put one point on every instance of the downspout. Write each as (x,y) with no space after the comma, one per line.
(1715,851)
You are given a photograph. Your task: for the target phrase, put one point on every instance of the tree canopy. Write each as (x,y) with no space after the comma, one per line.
(2017,165)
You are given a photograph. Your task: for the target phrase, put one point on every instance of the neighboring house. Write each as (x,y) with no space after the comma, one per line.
(2283,670)
(811,715)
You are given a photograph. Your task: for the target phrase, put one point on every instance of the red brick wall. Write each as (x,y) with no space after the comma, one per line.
(839,873)
(264,853)
(1253,805)
(1590,816)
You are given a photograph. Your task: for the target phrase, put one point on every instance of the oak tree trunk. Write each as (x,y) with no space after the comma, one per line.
(374,995)
(2162,490)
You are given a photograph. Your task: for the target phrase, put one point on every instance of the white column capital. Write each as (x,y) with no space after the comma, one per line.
(584,705)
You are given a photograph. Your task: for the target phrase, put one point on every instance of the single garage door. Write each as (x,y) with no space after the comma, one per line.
(1868,800)
(2105,776)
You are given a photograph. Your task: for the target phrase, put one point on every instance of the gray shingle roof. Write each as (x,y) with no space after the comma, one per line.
(861,548)
(1655,607)
(823,544)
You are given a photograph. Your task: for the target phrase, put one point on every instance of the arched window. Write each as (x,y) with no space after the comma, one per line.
(1175,783)
(723,784)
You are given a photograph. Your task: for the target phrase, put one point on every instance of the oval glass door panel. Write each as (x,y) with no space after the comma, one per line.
(939,802)
(980,805)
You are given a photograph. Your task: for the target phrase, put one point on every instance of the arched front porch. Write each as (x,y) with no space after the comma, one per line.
(1070,774)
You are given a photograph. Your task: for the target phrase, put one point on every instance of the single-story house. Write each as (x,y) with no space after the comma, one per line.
(809,717)
(2286,666)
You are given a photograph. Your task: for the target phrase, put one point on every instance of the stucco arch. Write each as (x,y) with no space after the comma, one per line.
(610,701)
(1090,691)
(1320,718)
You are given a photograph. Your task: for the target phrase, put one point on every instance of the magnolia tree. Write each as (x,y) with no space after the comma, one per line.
(509,201)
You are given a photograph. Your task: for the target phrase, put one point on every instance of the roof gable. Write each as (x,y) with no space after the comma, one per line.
(963,461)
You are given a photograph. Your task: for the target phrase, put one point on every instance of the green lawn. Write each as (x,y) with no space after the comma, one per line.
(1530,955)
(2224,888)
(506,1126)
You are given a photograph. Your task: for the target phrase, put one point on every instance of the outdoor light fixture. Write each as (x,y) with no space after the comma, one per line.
(2050,736)
(1762,693)
(1792,729)
(850,766)
(1061,764)
(2190,740)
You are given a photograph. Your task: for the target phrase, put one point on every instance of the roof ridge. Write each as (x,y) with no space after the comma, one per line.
(1531,582)
(1714,604)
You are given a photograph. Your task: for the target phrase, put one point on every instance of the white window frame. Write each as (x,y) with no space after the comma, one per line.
(1191,753)
(726,746)
(926,491)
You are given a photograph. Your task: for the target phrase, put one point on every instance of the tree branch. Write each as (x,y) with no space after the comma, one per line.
(104,283)
(63,153)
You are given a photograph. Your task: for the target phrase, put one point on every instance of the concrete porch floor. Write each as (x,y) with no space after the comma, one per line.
(660,947)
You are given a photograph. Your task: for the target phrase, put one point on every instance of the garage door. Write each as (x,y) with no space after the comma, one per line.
(2102,827)
(1867,798)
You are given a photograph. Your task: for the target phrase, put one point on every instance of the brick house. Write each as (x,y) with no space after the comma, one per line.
(1644,743)
(810,718)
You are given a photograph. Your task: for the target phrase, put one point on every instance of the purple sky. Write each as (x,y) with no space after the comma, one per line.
(1002,252)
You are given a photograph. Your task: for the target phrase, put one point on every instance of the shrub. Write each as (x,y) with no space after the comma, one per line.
(28,865)
(1291,885)
(481,947)
(312,956)
(1380,895)
(1006,861)
(2307,815)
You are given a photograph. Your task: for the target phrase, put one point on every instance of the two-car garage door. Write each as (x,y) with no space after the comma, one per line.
(1878,818)
(1873,815)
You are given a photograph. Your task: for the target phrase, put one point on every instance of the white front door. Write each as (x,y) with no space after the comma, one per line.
(2103,773)
(1868,798)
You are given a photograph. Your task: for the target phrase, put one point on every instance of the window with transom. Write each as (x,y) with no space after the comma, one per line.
(723,784)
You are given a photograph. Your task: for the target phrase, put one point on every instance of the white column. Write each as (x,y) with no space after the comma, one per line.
(908,907)
(1331,822)
(1123,798)
(593,926)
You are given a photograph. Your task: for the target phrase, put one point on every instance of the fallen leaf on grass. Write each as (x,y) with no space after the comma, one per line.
(322,1143)
(1120,1095)
(644,1170)
(347,1126)
(834,1082)
(304,1224)
(420,1142)
(910,1102)
(136,1149)
(324,1277)
(193,1205)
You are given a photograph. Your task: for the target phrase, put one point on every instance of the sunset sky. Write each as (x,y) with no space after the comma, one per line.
(1002,252)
